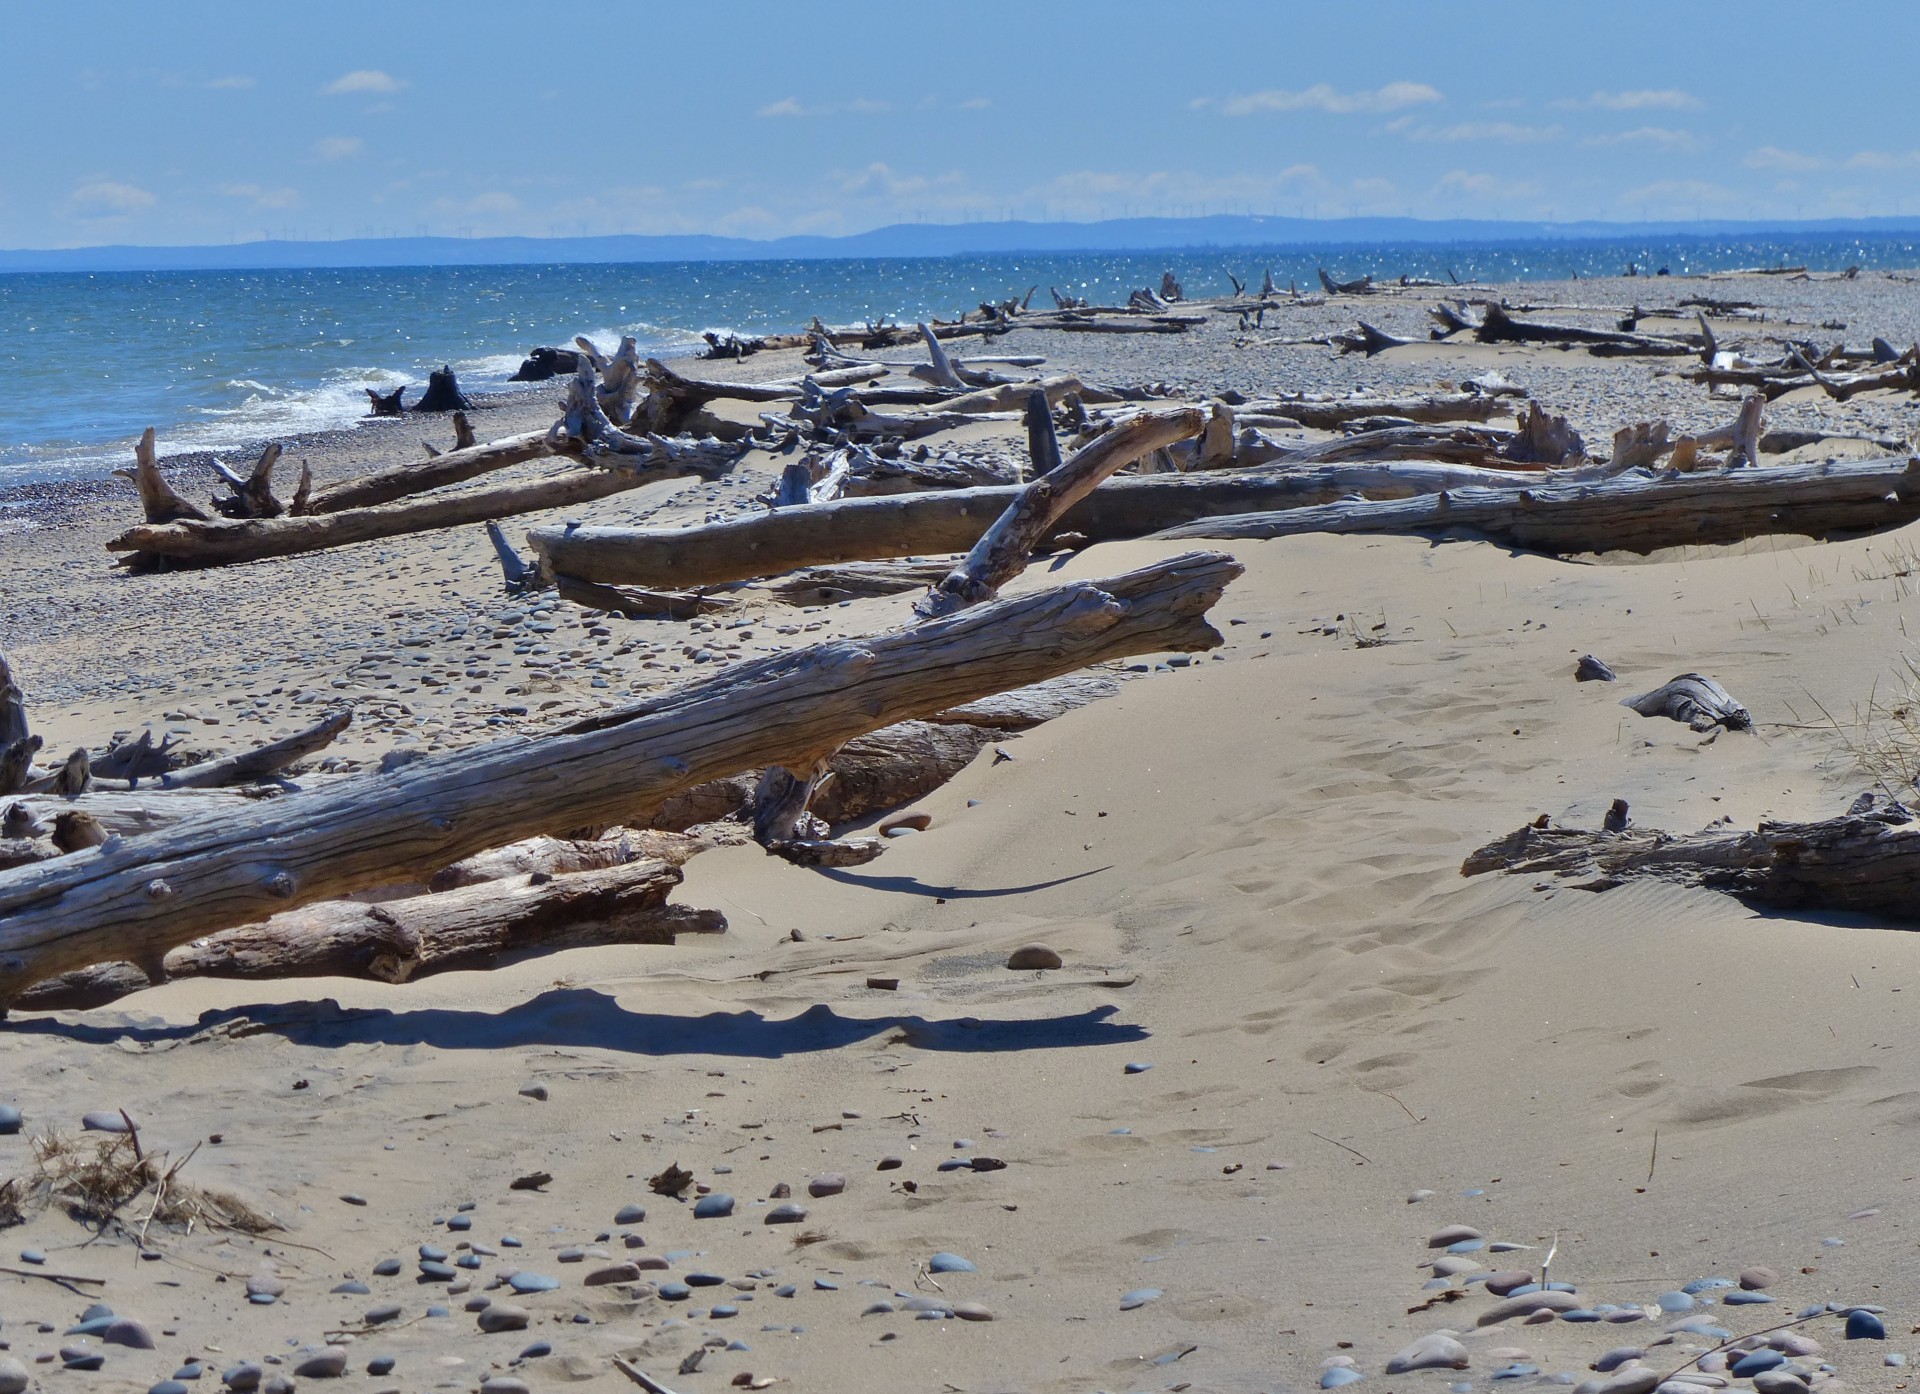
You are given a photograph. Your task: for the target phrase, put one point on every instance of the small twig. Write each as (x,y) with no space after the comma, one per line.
(1396,1098)
(333,1331)
(65,1280)
(926,1276)
(1732,1341)
(1653,1157)
(1546,1264)
(1342,1146)
(133,1136)
(641,1377)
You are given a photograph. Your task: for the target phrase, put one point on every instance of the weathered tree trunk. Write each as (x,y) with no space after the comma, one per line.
(256,764)
(1860,862)
(1033,513)
(397,941)
(158,499)
(133,813)
(677,605)
(562,856)
(857,580)
(252,495)
(454,467)
(139,899)
(386,403)
(1624,513)
(1498,327)
(443,393)
(904,525)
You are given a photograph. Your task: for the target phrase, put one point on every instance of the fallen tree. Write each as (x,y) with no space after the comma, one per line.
(452,467)
(138,899)
(905,525)
(1866,861)
(1630,512)
(475,927)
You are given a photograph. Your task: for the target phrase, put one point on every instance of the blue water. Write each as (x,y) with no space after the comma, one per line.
(222,360)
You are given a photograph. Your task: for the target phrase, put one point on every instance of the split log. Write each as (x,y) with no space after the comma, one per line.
(141,898)
(251,766)
(1331,415)
(828,585)
(1027,707)
(545,363)
(949,521)
(1639,445)
(158,499)
(940,371)
(1626,513)
(1864,862)
(515,572)
(1369,340)
(620,378)
(673,399)
(135,760)
(1695,701)
(454,467)
(398,941)
(134,813)
(675,605)
(443,393)
(1363,286)
(252,495)
(1002,551)
(563,856)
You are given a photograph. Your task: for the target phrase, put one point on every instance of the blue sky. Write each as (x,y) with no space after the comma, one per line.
(190,121)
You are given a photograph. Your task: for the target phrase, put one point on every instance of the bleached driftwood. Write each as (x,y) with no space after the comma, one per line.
(158,499)
(137,900)
(454,467)
(251,494)
(1498,327)
(678,605)
(396,941)
(905,525)
(1631,513)
(249,766)
(1866,861)
(560,856)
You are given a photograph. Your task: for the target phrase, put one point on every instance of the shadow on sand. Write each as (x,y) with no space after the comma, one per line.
(584,1017)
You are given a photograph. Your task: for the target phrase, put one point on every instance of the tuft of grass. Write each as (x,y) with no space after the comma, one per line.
(99,1181)
(1882,738)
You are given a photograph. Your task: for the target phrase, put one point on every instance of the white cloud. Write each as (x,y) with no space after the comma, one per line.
(975,104)
(493,202)
(260,197)
(105,198)
(230,84)
(362,80)
(1884,159)
(1658,137)
(786,106)
(1395,96)
(1506,132)
(1484,186)
(1773,157)
(791,106)
(1677,197)
(338,147)
(1642,99)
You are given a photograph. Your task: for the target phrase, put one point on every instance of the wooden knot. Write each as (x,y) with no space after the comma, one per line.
(282,884)
(159,890)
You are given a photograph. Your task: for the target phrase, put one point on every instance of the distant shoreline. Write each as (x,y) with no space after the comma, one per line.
(933,240)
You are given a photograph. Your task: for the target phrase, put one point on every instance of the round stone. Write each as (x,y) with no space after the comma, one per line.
(524,1282)
(713,1207)
(1139,1297)
(673,1292)
(504,1316)
(613,1273)
(971,1311)
(788,1214)
(504,1384)
(831,1183)
(273,1285)
(9,1120)
(386,1268)
(385,1312)
(889,1164)
(327,1363)
(103,1121)
(241,1377)
(1340,1375)
(1502,1283)
(1865,1326)
(168,1386)
(125,1331)
(1778,1382)
(630,1215)
(278,1384)
(1034,956)
(1526,1305)
(950,1263)
(1437,1351)
(14,1378)
(381,1365)
(1755,1279)
(1452,1234)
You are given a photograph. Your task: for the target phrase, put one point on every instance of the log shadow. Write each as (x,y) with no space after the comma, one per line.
(585,1017)
(913,885)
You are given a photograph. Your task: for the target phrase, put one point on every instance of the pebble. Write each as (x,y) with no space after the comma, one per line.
(1740,1298)
(14,1378)
(386,1311)
(944,1262)
(1415,1197)
(1755,1361)
(1340,1375)
(1452,1234)
(1503,1282)
(241,1377)
(1675,1302)
(788,1214)
(80,1357)
(386,1268)
(1865,1326)
(630,1215)
(524,1282)
(101,1121)
(165,1386)
(1632,1379)
(713,1207)
(504,1384)
(353,1198)
(972,1311)
(125,1331)
(1528,1303)
(9,1120)
(504,1316)
(433,1252)
(327,1363)
(352,1286)
(1453,1265)
(614,1273)
(1617,1357)
(831,1183)
(32,1256)
(1778,1382)
(278,1384)
(1139,1067)
(1036,956)
(1754,1279)
(1139,1297)
(536,1350)
(273,1285)
(889,1164)
(434,1270)
(381,1365)
(674,1292)
(1437,1351)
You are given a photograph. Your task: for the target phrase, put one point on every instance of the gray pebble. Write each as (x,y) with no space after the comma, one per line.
(381,1365)
(9,1120)
(327,1363)
(504,1384)
(788,1214)
(14,1378)
(102,1121)
(1437,1351)
(242,1377)
(1034,956)
(630,1215)
(831,1183)
(385,1312)
(504,1316)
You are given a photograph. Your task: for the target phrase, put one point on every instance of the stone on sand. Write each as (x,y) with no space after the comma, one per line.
(504,1316)
(1437,1350)
(1034,956)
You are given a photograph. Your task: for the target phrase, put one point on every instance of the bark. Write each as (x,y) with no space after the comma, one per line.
(252,494)
(677,605)
(454,467)
(443,393)
(828,585)
(1862,862)
(1625,513)
(133,813)
(1033,513)
(904,525)
(396,941)
(138,899)
(561,856)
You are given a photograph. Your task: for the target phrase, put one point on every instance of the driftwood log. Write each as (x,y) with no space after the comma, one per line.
(476,927)
(136,900)
(453,467)
(158,499)
(251,495)
(904,525)
(443,393)
(248,766)
(1864,861)
(1628,513)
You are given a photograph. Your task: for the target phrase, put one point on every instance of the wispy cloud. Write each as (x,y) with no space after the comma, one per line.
(1640,99)
(1484,187)
(362,80)
(976,104)
(261,197)
(107,198)
(1677,196)
(878,178)
(338,147)
(793,107)
(1773,157)
(1395,96)
(1884,159)
(1505,132)
(1653,137)
(233,83)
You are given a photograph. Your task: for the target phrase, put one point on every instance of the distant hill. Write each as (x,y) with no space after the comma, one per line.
(917,240)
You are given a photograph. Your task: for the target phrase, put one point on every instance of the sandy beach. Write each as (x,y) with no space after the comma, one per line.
(1299,1088)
